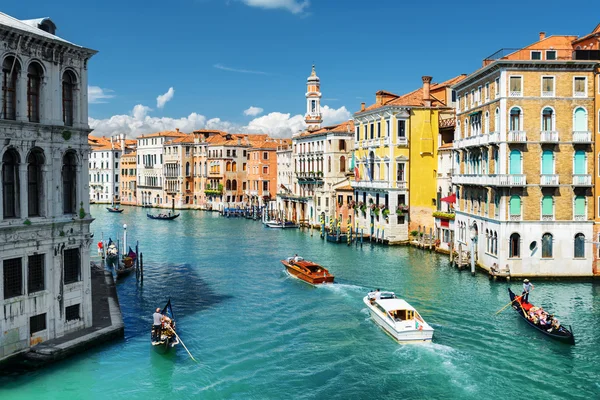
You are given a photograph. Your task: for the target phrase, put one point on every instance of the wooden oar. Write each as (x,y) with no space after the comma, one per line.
(183,344)
(512,301)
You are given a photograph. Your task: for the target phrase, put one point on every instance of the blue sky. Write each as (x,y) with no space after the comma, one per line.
(223,56)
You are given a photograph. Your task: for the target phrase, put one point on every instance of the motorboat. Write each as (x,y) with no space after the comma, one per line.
(280,224)
(397,318)
(307,271)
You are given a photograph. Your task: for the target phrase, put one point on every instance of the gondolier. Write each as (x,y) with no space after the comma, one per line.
(157,324)
(527,287)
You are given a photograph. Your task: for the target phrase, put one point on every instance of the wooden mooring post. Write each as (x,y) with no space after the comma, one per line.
(141,268)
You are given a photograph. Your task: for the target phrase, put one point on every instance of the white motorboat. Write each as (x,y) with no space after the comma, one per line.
(397,318)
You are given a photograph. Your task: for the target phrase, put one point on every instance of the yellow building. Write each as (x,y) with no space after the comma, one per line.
(396,160)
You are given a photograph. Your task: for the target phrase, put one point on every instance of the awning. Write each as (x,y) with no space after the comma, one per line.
(474,113)
(449,199)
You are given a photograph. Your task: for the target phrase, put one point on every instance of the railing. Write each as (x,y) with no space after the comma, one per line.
(582,180)
(372,184)
(582,136)
(479,140)
(515,217)
(517,136)
(547,217)
(402,141)
(386,141)
(579,94)
(511,180)
(549,180)
(578,217)
(490,180)
(548,136)
(515,93)
(401,185)
(547,94)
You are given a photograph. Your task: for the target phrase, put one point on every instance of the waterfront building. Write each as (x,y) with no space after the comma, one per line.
(128,182)
(525,159)
(396,159)
(44,218)
(285,171)
(261,172)
(179,171)
(150,168)
(104,166)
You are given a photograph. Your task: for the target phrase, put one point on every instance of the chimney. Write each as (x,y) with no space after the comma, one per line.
(542,35)
(362,106)
(426,86)
(177,130)
(123,143)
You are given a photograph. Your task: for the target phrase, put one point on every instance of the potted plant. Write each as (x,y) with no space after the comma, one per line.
(385,212)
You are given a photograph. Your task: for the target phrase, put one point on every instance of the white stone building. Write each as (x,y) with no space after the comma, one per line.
(285,171)
(44,217)
(105,167)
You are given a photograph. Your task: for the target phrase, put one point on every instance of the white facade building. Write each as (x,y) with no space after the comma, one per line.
(105,170)
(44,214)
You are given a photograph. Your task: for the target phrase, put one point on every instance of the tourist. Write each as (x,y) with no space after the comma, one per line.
(296,258)
(377,294)
(156,327)
(527,287)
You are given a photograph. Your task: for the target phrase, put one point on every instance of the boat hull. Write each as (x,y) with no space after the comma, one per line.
(402,336)
(114,210)
(163,218)
(313,279)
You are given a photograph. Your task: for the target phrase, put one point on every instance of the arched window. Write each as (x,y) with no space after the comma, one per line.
(342,164)
(69,83)
(580,123)
(515,206)
(515,119)
(10,72)
(497,120)
(487,122)
(10,184)
(69,178)
(228,166)
(515,246)
(228,185)
(234,166)
(34,182)
(495,243)
(187,169)
(547,119)
(515,162)
(547,245)
(34,84)
(547,208)
(234,184)
(579,246)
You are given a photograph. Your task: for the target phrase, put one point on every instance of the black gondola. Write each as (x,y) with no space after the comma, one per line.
(114,210)
(562,334)
(167,217)
(166,339)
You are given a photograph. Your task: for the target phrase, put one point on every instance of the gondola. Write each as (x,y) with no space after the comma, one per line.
(127,266)
(167,217)
(114,210)
(166,339)
(562,334)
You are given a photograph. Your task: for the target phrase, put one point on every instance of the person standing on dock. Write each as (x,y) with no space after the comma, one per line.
(527,287)
(157,324)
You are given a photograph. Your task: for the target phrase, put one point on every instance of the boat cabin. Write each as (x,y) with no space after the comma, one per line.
(312,267)
(396,309)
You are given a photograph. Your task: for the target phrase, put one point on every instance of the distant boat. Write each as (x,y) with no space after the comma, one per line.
(307,271)
(161,216)
(397,318)
(114,210)
(281,225)
(166,339)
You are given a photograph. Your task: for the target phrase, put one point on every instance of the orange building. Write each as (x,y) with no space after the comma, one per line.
(262,172)
(128,179)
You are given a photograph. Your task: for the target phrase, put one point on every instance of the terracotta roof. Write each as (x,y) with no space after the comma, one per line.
(346,188)
(346,126)
(132,154)
(106,147)
(594,32)
(164,133)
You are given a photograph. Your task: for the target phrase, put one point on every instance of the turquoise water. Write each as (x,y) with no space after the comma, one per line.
(259,334)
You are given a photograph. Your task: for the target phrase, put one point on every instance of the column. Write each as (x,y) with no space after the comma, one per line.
(22,96)
(46,184)
(23,208)
(79,188)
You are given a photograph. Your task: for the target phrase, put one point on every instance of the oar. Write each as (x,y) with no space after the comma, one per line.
(512,301)
(183,344)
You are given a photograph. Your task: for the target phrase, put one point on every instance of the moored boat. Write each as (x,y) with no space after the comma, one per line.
(112,254)
(166,338)
(163,216)
(397,318)
(114,209)
(307,271)
(281,225)
(335,238)
(127,266)
(533,316)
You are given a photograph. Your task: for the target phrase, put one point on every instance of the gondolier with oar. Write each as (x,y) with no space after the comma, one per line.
(527,287)
(157,324)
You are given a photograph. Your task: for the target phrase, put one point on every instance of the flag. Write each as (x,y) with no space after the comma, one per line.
(354,167)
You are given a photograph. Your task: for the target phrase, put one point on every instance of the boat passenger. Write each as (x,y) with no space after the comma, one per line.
(527,287)
(377,294)
(156,327)
(296,258)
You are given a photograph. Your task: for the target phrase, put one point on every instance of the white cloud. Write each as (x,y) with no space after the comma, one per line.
(164,98)
(293,6)
(276,124)
(253,111)
(240,70)
(97,95)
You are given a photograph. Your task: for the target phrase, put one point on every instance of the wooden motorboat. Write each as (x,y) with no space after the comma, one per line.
(162,216)
(397,318)
(307,271)
(114,210)
(556,331)
(166,339)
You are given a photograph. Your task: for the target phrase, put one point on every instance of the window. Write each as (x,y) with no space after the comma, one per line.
(472,97)
(371,131)
(547,245)
(357,133)
(35,273)
(13,278)
(69,178)
(329,164)
(10,184)
(342,164)
(37,323)
(265,170)
(580,124)
(265,186)
(378,129)
(187,168)
(265,155)
(515,206)
(402,129)
(579,246)
(547,208)
(536,55)
(342,145)
(34,82)
(580,86)
(487,91)
(515,119)
(516,86)
(9,87)
(550,55)
(400,172)
(547,119)
(72,313)
(579,208)
(387,128)
(547,86)
(68,97)
(72,265)
(515,246)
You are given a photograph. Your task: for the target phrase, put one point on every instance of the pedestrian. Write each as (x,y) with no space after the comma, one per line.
(527,287)
(156,326)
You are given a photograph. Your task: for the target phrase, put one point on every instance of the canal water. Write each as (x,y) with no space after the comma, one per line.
(259,334)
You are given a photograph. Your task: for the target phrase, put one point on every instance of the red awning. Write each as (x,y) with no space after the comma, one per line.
(449,199)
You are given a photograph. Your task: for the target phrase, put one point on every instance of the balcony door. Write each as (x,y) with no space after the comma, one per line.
(515,162)
(547,162)
(579,167)
(580,121)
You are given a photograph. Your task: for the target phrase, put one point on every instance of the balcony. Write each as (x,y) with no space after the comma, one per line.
(402,141)
(582,137)
(479,140)
(549,180)
(516,137)
(547,217)
(490,180)
(386,141)
(548,136)
(579,218)
(371,184)
(516,217)
(401,185)
(582,180)
(511,180)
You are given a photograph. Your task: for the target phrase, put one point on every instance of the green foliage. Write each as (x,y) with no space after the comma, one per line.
(61,233)
(81,211)
(27,222)
(414,233)
(445,215)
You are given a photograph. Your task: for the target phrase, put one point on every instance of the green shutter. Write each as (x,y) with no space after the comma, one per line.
(547,162)
(579,205)
(515,162)
(515,205)
(547,205)
(579,162)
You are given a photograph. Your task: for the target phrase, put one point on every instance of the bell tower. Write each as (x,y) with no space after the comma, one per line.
(313,116)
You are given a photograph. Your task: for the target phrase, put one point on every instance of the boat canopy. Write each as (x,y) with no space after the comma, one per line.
(394,304)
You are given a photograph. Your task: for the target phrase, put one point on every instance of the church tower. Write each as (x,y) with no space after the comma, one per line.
(313,116)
